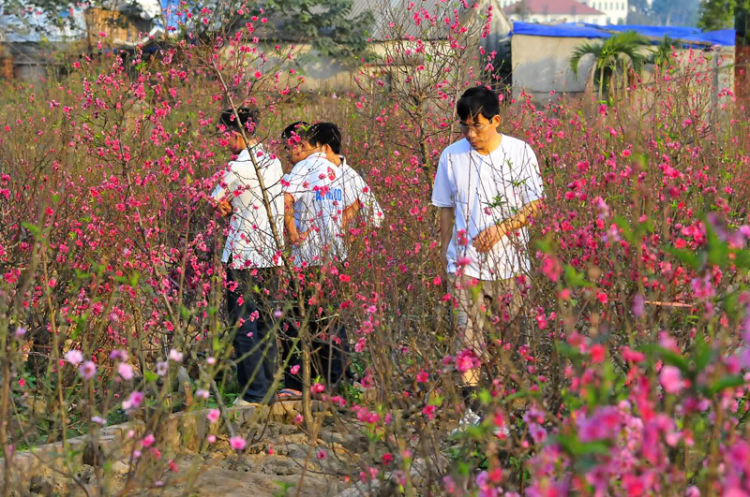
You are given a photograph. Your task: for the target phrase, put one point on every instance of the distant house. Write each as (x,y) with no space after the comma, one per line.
(616,11)
(541,56)
(554,11)
(33,45)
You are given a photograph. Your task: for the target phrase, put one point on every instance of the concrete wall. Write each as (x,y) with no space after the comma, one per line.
(323,74)
(542,65)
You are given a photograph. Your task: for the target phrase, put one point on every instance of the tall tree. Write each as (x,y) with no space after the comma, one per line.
(677,12)
(332,27)
(719,14)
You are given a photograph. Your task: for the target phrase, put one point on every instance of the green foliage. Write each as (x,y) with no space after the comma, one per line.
(330,26)
(609,54)
(661,55)
(719,14)
(676,12)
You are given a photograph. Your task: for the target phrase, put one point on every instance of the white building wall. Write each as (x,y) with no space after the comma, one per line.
(616,11)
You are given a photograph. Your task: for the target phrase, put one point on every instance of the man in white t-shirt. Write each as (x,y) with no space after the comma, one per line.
(252,251)
(330,136)
(487,187)
(369,208)
(318,206)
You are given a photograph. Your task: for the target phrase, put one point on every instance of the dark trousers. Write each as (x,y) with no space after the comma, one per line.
(328,358)
(251,321)
(329,347)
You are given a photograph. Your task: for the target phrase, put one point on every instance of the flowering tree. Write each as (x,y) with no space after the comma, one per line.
(628,378)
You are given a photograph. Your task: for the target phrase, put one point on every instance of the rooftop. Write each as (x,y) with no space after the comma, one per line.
(558,7)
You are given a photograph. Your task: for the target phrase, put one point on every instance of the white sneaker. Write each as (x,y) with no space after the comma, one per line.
(240,402)
(470,418)
(503,432)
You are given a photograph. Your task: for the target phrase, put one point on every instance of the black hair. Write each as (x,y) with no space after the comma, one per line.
(476,101)
(325,134)
(295,129)
(245,114)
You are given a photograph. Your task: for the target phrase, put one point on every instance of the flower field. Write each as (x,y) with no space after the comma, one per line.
(630,374)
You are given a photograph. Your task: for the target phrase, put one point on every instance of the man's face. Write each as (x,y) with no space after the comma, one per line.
(236,143)
(300,150)
(479,130)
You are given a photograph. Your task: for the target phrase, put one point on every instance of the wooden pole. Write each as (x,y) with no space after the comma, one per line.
(741,56)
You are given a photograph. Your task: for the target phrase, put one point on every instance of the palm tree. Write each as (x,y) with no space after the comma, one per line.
(623,47)
(662,55)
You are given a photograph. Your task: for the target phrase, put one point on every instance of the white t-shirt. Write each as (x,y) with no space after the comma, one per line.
(370,207)
(250,241)
(485,190)
(320,197)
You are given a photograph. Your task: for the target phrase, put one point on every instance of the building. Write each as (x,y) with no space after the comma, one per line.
(616,12)
(554,11)
(541,56)
(30,47)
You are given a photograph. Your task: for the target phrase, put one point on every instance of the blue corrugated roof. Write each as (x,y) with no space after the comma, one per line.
(686,34)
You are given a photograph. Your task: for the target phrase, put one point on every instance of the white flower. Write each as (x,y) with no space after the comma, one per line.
(175,355)
(125,370)
(74,357)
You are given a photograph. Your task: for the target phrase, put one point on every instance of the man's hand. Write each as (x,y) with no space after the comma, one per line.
(296,238)
(224,208)
(488,238)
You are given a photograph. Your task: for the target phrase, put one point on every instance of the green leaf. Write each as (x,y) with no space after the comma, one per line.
(35,230)
(624,225)
(729,381)
(150,376)
(574,278)
(573,446)
(545,245)
(668,357)
(687,257)
(742,258)
(702,355)
(718,251)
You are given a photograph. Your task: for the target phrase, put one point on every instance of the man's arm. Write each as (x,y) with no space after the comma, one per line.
(446,233)
(350,213)
(489,237)
(291,226)
(222,195)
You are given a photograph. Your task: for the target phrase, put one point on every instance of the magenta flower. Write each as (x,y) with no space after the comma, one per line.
(237,443)
(148,441)
(467,360)
(670,378)
(133,401)
(213,415)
